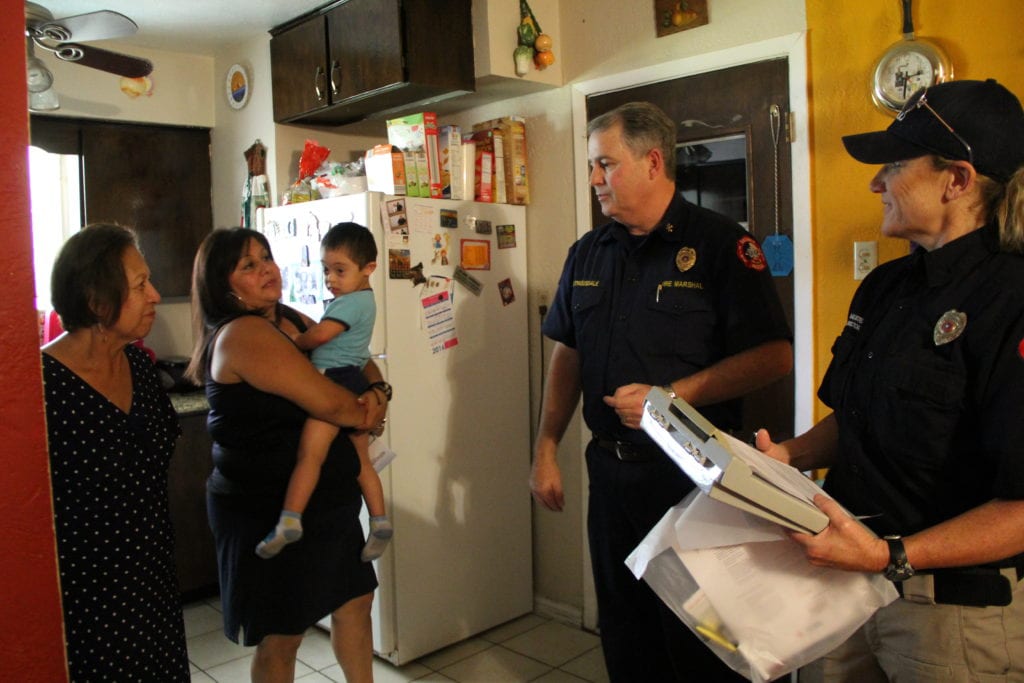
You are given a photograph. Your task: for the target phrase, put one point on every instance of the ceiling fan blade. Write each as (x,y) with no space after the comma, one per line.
(104,60)
(99,25)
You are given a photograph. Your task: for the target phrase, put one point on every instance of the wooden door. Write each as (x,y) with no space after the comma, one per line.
(734,105)
(298,69)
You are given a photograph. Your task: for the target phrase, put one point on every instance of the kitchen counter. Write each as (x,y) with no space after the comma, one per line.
(189,403)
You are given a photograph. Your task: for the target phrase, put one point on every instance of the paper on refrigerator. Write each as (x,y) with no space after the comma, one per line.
(438,314)
(739,583)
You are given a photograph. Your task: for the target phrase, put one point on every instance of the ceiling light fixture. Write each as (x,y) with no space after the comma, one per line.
(41,96)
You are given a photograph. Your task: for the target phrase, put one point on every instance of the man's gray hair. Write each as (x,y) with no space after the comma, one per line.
(644,127)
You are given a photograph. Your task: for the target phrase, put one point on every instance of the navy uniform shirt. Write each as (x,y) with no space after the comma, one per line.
(657,308)
(927,385)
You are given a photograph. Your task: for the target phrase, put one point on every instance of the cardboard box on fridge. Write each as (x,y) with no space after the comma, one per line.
(492,140)
(385,170)
(418,133)
(483,176)
(413,174)
(468,180)
(449,140)
(517,182)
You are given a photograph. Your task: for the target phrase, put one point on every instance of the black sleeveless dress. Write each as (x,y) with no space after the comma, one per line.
(256,438)
(115,544)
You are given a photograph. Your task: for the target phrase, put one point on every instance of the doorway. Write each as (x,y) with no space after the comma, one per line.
(729,160)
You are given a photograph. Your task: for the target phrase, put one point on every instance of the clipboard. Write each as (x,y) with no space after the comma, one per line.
(728,470)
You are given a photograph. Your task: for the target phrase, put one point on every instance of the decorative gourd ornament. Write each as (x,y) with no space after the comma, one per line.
(533,44)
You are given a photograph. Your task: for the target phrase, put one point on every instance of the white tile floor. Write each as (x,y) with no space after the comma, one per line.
(531,648)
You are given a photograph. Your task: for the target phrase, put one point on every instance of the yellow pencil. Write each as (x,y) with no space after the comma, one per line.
(716,637)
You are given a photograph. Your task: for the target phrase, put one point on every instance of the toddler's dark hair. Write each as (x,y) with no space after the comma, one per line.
(353,238)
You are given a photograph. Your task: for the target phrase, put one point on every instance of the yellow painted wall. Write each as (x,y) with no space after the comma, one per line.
(983,40)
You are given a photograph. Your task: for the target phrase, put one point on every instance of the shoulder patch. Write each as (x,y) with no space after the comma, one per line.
(750,254)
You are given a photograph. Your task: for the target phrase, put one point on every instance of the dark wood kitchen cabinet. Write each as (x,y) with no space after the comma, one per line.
(155,179)
(194,552)
(355,58)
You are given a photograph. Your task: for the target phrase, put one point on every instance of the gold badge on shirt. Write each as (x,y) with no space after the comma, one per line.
(950,326)
(686,258)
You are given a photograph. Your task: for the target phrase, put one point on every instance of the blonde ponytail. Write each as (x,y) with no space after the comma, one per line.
(1009,213)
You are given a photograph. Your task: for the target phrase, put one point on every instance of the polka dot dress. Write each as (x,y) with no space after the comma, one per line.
(122,609)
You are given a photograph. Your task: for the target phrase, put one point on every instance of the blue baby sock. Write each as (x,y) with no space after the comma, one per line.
(288,530)
(380,534)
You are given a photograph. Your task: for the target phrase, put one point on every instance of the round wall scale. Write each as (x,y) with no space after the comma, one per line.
(906,67)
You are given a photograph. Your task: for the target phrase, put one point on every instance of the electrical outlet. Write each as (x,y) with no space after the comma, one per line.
(865,258)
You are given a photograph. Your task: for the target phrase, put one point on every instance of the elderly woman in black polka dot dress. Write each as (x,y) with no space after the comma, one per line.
(111,433)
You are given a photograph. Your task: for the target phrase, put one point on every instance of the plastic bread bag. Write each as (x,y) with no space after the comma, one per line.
(747,590)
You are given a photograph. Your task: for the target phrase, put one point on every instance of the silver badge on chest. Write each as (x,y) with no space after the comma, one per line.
(950,326)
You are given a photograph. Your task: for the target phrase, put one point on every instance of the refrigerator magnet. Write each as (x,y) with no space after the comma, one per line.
(416,274)
(467,280)
(476,254)
(506,236)
(442,245)
(399,264)
(449,218)
(506,292)
(483,227)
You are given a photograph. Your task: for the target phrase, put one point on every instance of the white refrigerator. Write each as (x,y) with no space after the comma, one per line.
(451,338)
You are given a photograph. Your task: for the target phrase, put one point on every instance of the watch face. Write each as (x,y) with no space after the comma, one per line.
(898,572)
(905,68)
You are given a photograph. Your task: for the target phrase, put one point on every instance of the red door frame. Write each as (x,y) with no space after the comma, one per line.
(31,630)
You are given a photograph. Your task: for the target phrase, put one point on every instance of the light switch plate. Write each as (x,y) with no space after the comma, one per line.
(865,258)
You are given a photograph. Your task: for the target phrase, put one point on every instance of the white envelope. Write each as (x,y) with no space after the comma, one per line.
(748,591)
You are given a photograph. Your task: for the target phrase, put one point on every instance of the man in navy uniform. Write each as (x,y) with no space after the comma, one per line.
(666,294)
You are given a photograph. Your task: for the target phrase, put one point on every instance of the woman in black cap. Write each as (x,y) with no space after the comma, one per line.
(925,443)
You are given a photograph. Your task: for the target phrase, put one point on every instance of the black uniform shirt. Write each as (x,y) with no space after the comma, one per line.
(658,308)
(927,385)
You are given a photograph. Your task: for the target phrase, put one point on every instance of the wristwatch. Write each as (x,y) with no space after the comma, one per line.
(899,568)
(383,386)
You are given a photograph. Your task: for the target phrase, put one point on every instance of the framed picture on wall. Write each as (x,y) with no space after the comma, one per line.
(673,16)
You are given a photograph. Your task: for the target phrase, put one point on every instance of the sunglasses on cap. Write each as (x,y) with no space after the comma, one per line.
(920,100)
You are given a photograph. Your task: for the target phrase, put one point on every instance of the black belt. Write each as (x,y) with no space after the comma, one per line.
(966,586)
(629,452)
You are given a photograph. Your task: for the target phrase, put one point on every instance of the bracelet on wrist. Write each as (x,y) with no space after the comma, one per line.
(383,387)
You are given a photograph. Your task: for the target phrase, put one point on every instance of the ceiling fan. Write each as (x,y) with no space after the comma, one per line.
(55,35)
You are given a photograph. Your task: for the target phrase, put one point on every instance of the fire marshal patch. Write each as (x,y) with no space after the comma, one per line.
(750,253)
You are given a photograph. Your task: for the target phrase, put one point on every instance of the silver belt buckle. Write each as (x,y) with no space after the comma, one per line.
(920,588)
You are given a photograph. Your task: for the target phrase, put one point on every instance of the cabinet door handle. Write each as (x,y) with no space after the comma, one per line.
(335,69)
(318,83)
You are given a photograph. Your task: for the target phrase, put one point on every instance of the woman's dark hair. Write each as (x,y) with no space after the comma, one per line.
(88,284)
(354,239)
(213,302)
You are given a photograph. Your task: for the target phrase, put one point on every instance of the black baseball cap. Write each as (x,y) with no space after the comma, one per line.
(987,125)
